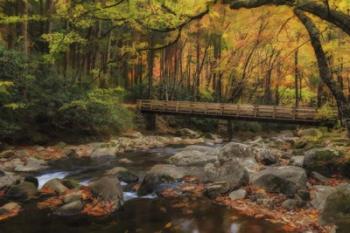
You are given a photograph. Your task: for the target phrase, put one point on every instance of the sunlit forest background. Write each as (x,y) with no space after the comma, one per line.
(66,64)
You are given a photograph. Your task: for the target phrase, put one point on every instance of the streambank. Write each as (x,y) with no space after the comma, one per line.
(272,183)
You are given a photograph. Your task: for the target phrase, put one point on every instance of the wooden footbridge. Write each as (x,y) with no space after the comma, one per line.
(265,113)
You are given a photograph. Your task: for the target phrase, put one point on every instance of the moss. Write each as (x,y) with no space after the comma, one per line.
(326,155)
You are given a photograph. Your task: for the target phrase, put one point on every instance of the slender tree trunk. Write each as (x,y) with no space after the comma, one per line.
(296,77)
(25,24)
(150,66)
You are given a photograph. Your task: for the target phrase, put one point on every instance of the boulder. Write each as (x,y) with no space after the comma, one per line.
(200,148)
(104,152)
(32,180)
(7,154)
(266,156)
(189,133)
(8,179)
(55,185)
(235,150)
(71,197)
(108,189)
(310,132)
(297,161)
(161,173)
(193,157)
(336,208)
(238,194)
(31,165)
(322,160)
(318,177)
(9,208)
(319,195)
(69,209)
(286,179)
(225,177)
(132,134)
(123,174)
(292,204)
(23,191)
(125,161)
(71,183)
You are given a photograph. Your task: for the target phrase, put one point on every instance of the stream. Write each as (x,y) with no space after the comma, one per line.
(140,214)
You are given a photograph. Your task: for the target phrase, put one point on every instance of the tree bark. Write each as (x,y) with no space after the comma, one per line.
(333,16)
(324,70)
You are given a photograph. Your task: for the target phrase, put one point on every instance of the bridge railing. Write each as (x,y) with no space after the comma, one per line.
(226,109)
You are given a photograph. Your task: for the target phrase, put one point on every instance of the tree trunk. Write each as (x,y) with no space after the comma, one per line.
(324,70)
(335,17)
(25,27)
(296,77)
(150,66)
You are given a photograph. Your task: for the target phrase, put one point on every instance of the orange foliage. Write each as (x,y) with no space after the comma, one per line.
(98,208)
(293,221)
(14,212)
(50,203)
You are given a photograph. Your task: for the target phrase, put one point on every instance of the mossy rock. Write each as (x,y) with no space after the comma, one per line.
(71,183)
(325,161)
(311,133)
(300,144)
(337,207)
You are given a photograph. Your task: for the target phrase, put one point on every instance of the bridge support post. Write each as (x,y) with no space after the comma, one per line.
(150,121)
(229,129)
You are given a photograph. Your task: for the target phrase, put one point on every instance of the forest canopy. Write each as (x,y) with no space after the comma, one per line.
(238,51)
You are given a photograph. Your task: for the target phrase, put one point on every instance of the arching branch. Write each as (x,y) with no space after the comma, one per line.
(335,17)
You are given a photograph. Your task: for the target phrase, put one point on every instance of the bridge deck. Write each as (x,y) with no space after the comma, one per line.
(301,115)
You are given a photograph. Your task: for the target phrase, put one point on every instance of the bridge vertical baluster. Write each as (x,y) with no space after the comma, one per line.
(238,109)
(294,111)
(274,112)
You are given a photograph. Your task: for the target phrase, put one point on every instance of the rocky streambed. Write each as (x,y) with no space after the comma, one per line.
(280,183)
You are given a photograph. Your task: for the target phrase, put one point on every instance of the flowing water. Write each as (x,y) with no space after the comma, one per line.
(146,214)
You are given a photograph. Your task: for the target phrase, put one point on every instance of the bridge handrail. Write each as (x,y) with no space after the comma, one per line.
(258,111)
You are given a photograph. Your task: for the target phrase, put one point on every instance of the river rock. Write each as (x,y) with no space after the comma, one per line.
(7,154)
(71,197)
(285,179)
(193,157)
(310,132)
(336,208)
(225,177)
(266,156)
(238,194)
(55,185)
(322,160)
(23,191)
(319,195)
(69,209)
(8,179)
(31,165)
(108,188)
(133,134)
(123,174)
(185,132)
(108,151)
(161,173)
(297,161)
(292,204)
(9,207)
(235,150)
